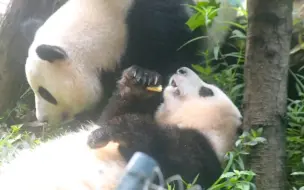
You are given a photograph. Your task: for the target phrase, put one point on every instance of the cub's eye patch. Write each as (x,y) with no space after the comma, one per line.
(47,95)
(205,92)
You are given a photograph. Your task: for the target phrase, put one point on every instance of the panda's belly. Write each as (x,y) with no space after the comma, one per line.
(63,164)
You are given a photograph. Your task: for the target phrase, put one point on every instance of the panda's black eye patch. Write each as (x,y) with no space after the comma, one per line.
(205,92)
(50,53)
(47,95)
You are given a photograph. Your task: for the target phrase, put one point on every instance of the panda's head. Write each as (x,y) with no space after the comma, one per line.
(61,87)
(191,102)
(72,53)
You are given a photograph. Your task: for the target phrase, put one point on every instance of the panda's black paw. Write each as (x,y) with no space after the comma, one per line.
(98,138)
(135,80)
(143,77)
(140,76)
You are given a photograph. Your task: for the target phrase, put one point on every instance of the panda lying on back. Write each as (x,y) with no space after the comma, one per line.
(178,144)
(190,105)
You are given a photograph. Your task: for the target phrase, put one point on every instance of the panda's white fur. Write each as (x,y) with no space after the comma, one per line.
(67,163)
(64,163)
(216,116)
(94,34)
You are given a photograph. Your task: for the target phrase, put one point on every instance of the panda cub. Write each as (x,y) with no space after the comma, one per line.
(189,133)
(129,120)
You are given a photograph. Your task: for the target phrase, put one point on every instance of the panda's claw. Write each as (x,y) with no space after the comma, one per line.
(141,78)
(138,77)
(151,79)
(156,81)
(146,78)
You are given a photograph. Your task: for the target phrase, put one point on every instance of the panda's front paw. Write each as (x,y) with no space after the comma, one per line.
(143,77)
(135,80)
(98,138)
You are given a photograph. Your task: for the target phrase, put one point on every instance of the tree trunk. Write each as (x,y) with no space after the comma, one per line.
(265,96)
(14,46)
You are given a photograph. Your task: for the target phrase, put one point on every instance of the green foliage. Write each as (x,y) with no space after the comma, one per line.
(235,175)
(295,142)
(13,140)
(206,11)
(295,130)
(298,26)
(17,113)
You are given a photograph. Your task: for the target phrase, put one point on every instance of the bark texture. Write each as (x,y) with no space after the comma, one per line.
(14,46)
(265,96)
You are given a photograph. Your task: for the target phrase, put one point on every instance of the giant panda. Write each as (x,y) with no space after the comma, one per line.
(191,109)
(78,52)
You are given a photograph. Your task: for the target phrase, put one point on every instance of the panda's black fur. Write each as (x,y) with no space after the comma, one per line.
(168,32)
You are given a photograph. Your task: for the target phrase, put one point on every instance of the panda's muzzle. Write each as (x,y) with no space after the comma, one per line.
(45,94)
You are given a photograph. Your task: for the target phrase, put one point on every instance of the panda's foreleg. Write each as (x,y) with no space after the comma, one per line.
(133,132)
(131,95)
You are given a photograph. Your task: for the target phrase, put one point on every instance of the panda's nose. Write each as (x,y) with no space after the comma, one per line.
(182,71)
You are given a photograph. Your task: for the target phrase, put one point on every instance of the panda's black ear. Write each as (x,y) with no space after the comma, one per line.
(205,92)
(50,53)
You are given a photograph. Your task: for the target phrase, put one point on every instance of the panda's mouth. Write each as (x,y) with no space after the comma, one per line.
(175,87)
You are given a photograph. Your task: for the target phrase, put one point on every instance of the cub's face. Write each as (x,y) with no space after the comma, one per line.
(190,101)
(186,84)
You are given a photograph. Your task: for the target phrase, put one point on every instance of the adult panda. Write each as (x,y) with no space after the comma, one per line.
(75,54)
(191,109)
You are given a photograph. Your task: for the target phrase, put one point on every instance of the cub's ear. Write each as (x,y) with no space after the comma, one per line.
(205,92)
(50,53)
